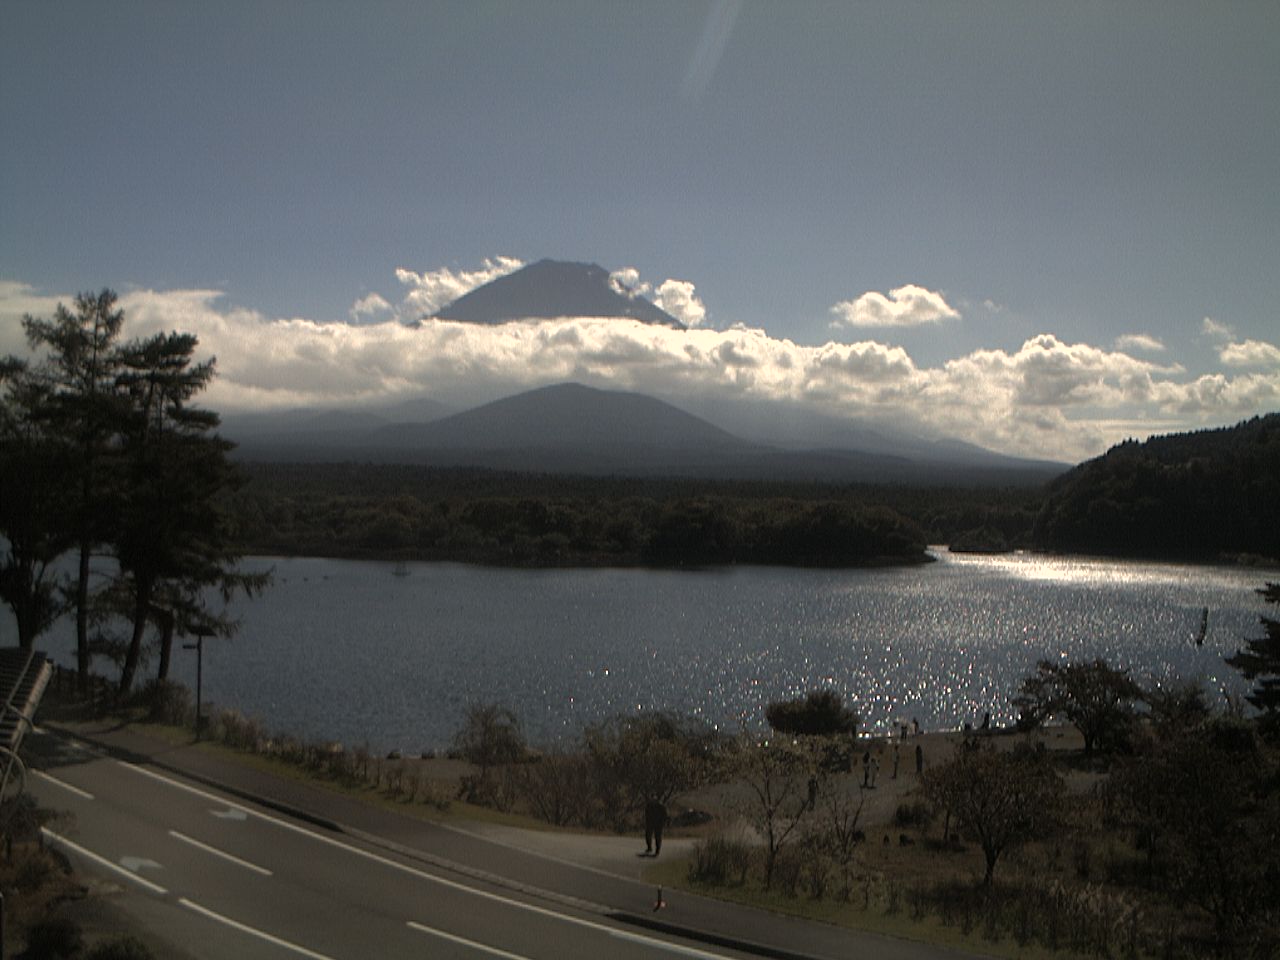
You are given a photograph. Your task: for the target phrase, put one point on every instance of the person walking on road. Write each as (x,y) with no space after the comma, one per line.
(655,818)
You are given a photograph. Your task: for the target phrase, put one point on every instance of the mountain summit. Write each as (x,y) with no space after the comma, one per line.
(553,288)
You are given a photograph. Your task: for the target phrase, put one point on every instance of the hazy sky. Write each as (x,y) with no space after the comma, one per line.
(1043,227)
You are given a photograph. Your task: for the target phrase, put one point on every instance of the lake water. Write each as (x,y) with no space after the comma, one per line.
(351,651)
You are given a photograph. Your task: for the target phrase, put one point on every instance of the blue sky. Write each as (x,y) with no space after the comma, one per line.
(1079,204)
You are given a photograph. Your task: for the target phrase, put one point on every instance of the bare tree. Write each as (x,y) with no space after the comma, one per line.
(777,775)
(839,811)
(490,736)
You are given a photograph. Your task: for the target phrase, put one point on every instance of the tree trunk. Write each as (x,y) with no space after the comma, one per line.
(140,607)
(167,621)
(82,620)
(26,626)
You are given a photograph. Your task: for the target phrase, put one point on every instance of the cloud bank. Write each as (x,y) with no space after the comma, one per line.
(430,290)
(1048,398)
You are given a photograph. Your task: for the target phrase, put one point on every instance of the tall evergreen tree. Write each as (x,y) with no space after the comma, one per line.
(33,470)
(79,373)
(173,540)
(1260,661)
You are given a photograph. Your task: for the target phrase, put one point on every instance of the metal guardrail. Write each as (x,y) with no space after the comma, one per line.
(24,674)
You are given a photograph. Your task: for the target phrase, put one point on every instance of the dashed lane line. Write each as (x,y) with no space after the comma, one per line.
(253,931)
(82,794)
(230,858)
(103,862)
(463,941)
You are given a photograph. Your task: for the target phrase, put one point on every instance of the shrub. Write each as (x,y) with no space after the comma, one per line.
(34,872)
(52,938)
(490,736)
(817,713)
(557,788)
(168,702)
(916,814)
(121,948)
(722,858)
(236,730)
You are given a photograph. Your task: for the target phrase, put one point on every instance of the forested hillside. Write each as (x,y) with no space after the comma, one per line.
(482,516)
(1195,496)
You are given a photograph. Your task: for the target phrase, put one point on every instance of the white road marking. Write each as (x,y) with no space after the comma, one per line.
(220,853)
(646,941)
(83,794)
(492,951)
(65,740)
(252,931)
(103,862)
(134,768)
(135,864)
(230,813)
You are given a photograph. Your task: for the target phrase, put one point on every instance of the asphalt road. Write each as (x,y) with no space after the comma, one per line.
(224,860)
(223,879)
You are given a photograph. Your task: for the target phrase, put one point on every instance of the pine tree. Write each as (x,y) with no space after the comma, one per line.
(33,471)
(173,539)
(1260,662)
(79,373)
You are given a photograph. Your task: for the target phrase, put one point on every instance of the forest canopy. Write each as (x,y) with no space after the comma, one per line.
(1192,496)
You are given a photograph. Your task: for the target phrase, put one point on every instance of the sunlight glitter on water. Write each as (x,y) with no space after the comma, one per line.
(393,661)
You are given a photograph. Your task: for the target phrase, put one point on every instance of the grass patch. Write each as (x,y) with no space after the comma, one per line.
(872,914)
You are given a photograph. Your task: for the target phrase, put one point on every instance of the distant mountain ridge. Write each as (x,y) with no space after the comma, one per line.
(549,289)
(574,429)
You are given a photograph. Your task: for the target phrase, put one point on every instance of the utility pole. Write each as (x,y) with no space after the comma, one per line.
(198,647)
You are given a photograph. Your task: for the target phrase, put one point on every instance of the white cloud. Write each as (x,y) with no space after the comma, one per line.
(1212,328)
(16,301)
(369,308)
(678,299)
(626,281)
(1250,353)
(906,306)
(1139,341)
(433,289)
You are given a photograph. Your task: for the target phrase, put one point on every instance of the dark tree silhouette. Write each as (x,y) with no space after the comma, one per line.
(1202,802)
(83,406)
(1005,797)
(817,713)
(1096,698)
(1260,662)
(33,470)
(174,539)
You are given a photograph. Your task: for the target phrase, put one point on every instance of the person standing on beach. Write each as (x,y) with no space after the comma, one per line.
(919,759)
(897,755)
(655,818)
